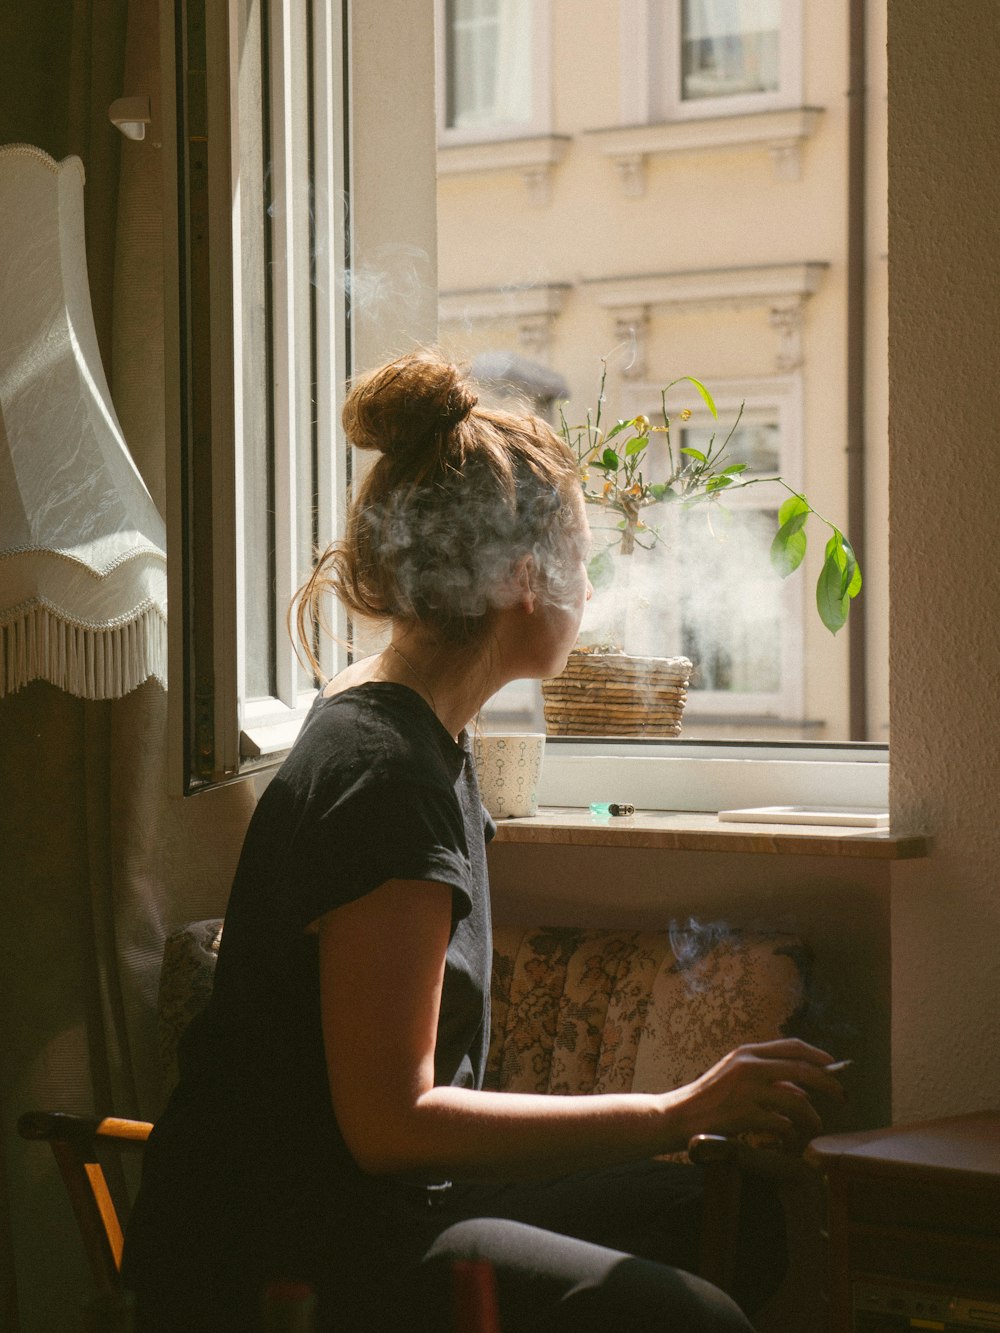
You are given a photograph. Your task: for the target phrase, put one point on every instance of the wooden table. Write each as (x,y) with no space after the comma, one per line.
(914,1219)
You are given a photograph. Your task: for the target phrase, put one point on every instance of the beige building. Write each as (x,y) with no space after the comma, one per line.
(672,185)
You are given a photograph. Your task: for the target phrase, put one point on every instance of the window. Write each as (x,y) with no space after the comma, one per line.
(270,173)
(712,57)
(494,60)
(729,48)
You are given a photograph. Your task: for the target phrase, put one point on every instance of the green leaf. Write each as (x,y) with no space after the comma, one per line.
(658,490)
(601,568)
(733,468)
(789,545)
(788,548)
(795,504)
(853,572)
(831,601)
(709,402)
(717,483)
(695,453)
(609,459)
(617,429)
(637,445)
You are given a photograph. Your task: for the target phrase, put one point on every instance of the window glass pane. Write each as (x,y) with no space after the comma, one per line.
(729,47)
(258,475)
(489,63)
(302,387)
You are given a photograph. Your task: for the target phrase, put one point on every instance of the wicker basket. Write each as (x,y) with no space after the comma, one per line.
(613,694)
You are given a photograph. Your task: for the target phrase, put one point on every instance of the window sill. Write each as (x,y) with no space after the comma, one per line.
(685,831)
(781,132)
(535,158)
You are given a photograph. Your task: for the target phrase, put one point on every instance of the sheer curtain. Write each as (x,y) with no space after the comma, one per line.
(491,62)
(730,46)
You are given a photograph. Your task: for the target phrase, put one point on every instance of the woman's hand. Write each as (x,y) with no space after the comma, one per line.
(765,1087)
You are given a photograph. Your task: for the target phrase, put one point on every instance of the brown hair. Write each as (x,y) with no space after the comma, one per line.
(458,497)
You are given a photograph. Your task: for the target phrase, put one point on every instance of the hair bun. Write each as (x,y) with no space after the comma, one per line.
(403,405)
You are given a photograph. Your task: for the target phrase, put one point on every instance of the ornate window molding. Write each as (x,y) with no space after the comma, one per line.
(534,158)
(781,289)
(780,132)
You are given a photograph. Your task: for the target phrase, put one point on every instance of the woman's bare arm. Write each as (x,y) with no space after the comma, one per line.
(381,971)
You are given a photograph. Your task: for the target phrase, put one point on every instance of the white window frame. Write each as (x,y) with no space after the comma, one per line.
(269,725)
(216,733)
(538,124)
(653,94)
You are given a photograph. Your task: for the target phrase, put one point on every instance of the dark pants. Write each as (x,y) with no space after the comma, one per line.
(610,1249)
(606,1249)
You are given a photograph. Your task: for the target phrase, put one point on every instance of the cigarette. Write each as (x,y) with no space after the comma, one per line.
(838,1066)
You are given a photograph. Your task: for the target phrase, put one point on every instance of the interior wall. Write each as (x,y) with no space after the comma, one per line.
(944,313)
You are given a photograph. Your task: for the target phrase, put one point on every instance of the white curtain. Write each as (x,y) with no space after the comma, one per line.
(491,62)
(740,38)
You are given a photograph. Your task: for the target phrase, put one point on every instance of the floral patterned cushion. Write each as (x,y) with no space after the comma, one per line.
(579,1011)
(189,957)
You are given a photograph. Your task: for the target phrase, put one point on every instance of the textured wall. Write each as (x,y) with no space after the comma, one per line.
(944,314)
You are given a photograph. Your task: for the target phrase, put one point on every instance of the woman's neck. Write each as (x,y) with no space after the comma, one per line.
(454,682)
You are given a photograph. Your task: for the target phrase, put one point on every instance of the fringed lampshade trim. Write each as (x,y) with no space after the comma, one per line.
(88,661)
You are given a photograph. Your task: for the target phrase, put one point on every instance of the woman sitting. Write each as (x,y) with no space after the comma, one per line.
(330,1124)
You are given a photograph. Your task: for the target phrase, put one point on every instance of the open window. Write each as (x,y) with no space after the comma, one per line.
(277,206)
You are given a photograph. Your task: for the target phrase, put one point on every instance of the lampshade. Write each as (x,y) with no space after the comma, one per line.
(83,584)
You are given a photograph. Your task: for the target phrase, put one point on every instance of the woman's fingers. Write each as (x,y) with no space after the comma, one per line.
(790,1101)
(806,1075)
(790,1048)
(769,1086)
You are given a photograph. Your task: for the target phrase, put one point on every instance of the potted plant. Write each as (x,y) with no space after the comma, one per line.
(645,695)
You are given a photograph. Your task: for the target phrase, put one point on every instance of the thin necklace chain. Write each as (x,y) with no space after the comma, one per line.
(421,680)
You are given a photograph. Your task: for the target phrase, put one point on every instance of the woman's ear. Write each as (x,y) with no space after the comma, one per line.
(524,584)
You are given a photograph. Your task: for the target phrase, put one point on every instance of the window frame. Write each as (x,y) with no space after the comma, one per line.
(540,121)
(268,724)
(216,734)
(654,95)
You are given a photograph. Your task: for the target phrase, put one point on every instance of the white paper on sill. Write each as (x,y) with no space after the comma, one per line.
(856,817)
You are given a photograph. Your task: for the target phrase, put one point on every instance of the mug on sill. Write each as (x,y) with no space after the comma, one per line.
(508,766)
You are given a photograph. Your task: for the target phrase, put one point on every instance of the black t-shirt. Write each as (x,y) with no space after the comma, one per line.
(247,1163)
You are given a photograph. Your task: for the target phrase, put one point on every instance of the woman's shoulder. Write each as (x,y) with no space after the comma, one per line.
(377,733)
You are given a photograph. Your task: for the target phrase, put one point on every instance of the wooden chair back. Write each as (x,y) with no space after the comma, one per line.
(74,1140)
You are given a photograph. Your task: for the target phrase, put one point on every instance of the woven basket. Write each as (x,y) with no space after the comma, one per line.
(613,694)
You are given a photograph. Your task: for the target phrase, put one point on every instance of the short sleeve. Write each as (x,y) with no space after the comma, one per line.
(402,830)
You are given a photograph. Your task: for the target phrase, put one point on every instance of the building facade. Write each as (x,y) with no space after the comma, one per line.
(672,186)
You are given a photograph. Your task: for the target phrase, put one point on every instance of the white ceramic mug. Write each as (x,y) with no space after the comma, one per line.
(508,767)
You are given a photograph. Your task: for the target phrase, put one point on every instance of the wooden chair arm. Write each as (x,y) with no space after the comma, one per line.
(81,1130)
(74,1141)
